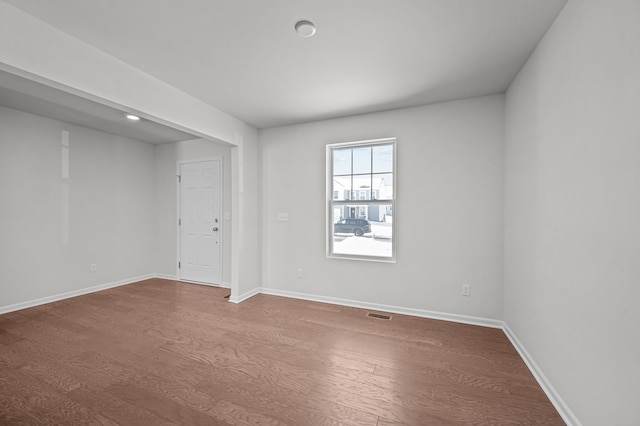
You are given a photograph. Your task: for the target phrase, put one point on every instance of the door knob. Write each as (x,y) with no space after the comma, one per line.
(215,228)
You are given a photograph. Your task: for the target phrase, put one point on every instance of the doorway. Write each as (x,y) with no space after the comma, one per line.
(199,223)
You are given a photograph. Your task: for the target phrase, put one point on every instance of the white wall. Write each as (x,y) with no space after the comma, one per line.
(166,158)
(247,212)
(48,239)
(572,236)
(448,213)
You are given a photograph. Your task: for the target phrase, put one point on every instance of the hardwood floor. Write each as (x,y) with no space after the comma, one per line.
(162,352)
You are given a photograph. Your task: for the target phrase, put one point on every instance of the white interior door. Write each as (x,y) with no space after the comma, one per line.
(200,224)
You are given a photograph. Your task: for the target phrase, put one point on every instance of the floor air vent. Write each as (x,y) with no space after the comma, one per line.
(379,316)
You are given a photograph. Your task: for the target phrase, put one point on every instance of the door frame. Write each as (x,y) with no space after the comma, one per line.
(178,216)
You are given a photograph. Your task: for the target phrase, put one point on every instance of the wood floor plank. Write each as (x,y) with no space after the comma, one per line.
(115,410)
(159,405)
(7,338)
(53,375)
(163,352)
(239,415)
(314,359)
(272,373)
(43,404)
(280,403)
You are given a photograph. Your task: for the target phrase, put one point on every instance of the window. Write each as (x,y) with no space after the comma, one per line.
(360,225)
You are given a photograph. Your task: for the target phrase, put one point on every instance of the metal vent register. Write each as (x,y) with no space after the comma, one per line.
(379,316)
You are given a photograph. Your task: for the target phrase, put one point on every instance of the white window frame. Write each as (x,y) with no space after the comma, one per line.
(331,203)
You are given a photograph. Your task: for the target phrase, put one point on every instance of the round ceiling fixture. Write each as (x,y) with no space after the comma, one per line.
(305,28)
(132,117)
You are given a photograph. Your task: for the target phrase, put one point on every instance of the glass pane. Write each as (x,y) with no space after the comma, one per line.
(363,230)
(342,161)
(362,187)
(342,185)
(383,186)
(362,160)
(382,158)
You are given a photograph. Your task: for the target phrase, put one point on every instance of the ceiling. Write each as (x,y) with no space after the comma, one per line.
(244,57)
(36,98)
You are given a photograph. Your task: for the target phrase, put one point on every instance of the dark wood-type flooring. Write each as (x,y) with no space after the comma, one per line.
(161,352)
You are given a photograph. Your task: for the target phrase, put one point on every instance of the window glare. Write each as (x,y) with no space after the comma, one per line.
(382,158)
(342,161)
(362,160)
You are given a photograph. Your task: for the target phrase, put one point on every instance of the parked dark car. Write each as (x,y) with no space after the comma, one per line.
(358,227)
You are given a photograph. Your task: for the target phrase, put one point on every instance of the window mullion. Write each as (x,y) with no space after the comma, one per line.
(351,191)
(371,174)
(361,202)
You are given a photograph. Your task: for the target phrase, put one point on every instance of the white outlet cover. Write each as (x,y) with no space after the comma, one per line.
(283,217)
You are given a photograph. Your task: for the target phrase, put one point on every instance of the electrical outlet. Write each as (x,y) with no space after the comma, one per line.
(299,272)
(283,217)
(94,267)
(466,290)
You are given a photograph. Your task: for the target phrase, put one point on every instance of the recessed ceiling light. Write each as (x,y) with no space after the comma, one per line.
(132,117)
(305,28)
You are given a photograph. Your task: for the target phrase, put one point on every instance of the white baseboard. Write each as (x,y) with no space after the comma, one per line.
(224,284)
(166,277)
(465,319)
(80,292)
(70,294)
(562,408)
(245,296)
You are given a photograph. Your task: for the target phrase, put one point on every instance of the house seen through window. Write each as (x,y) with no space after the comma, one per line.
(361,199)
